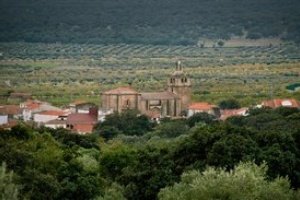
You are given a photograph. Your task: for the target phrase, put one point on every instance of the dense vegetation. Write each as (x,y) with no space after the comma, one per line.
(172,22)
(56,164)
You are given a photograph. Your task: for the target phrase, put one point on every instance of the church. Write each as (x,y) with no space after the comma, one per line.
(171,103)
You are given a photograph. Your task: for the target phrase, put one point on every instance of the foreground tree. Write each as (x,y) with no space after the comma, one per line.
(229,104)
(8,190)
(129,122)
(245,181)
(201,118)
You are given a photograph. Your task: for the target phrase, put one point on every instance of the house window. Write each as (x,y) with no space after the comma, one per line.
(70,126)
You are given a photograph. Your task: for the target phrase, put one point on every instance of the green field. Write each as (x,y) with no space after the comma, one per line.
(61,73)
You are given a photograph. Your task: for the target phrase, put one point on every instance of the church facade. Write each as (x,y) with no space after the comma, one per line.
(170,103)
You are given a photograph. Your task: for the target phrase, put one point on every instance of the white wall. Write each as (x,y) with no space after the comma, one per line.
(27,114)
(191,112)
(3,119)
(55,126)
(44,118)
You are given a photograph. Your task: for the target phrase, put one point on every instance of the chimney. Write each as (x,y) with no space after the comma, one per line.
(93,111)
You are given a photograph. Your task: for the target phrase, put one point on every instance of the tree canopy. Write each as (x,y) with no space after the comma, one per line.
(245,181)
(243,155)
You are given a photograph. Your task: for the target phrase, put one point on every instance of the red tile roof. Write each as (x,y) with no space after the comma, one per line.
(10,110)
(80,118)
(275,103)
(122,90)
(56,121)
(31,105)
(53,113)
(202,106)
(232,112)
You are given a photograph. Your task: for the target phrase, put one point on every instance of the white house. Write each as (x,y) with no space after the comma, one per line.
(32,107)
(226,113)
(203,107)
(56,123)
(12,111)
(49,115)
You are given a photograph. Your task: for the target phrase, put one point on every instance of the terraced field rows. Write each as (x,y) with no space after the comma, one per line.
(64,72)
(54,51)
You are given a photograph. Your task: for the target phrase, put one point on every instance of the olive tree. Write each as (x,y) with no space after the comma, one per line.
(245,181)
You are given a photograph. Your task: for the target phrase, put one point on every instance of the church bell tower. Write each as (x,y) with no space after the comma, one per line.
(180,84)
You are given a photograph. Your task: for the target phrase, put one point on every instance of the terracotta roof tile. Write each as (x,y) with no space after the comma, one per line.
(32,105)
(53,113)
(56,121)
(11,110)
(80,118)
(233,112)
(275,103)
(202,106)
(122,90)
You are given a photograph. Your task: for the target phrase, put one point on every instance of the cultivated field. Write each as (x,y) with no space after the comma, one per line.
(61,73)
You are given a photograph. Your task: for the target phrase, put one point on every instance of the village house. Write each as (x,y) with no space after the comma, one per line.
(275,103)
(10,115)
(82,122)
(11,111)
(226,113)
(56,123)
(203,107)
(30,108)
(49,115)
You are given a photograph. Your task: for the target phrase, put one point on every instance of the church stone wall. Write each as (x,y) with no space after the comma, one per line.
(119,102)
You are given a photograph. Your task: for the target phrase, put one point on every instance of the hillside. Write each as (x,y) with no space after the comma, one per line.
(171,22)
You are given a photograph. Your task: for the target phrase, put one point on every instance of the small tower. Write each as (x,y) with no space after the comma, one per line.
(180,84)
